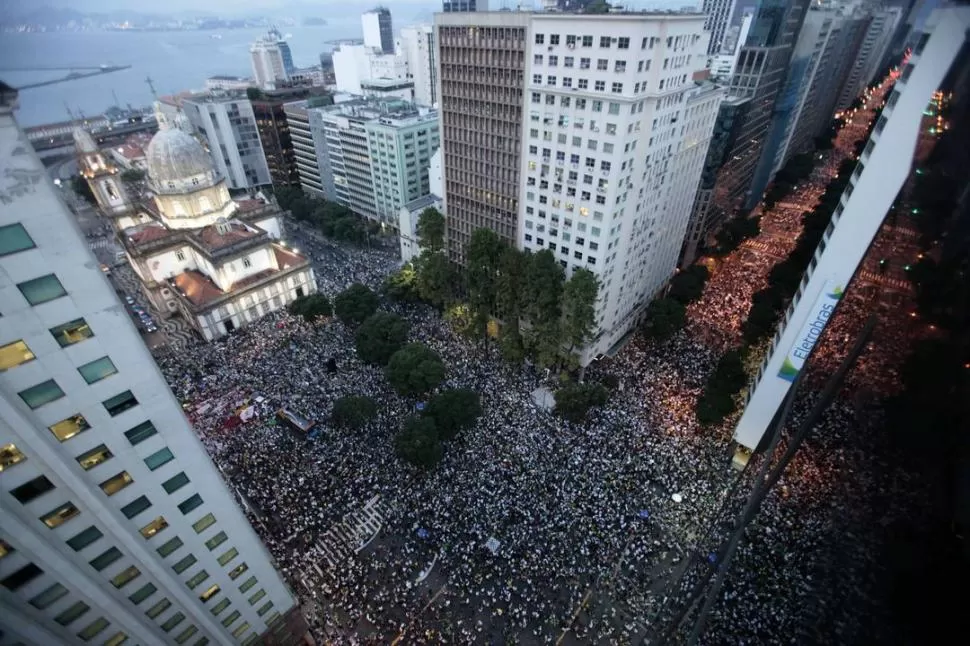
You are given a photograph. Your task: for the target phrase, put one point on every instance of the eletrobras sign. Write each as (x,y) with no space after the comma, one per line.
(808,336)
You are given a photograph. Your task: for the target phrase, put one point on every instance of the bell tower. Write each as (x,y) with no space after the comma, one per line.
(102,175)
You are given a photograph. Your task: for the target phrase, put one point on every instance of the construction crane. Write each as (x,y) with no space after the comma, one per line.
(74,73)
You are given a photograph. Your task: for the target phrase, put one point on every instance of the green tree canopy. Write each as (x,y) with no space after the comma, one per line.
(417,442)
(402,285)
(453,410)
(311,306)
(355,304)
(380,336)
(573,401)
(132,175)
(510,282)
(510,343)
(481,271)
(435,278)
(415,369)
(431,229)
(579,307)
(353,411)
(83,189)
(543,288)
(688,285)
(665,317)
(717,401)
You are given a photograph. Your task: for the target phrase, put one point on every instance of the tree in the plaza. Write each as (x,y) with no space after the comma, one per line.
(717,401)
(510,343)
(435,278)
(380,336)
(431,229)
(688,285)
(415,369)
(295,201)
(578,309)
(714,406)
(481,271)
(510,283)
(83,189)
(417,442)
(664,318)
(311,306)
(463,321)
(573,401)
(401,285)
(353,411)
(254,94)
(132,175)
(454,410)
(736,231)
(355,304)
(542,294)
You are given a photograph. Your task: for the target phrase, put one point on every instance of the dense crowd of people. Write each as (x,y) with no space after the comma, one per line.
(532,528)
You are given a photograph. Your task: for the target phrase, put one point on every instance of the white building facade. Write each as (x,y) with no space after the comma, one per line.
(883,168)
(417,48)
(719,13)
(117,528)
(269,67)
(378,29)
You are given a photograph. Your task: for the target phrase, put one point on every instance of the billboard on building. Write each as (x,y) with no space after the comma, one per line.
(814,325)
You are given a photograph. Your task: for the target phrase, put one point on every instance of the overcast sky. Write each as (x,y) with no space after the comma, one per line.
(225,6)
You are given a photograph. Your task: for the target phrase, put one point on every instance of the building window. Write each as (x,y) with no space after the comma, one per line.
(32,489)
(216,540)
(68,428)
(9,456)
(617,88)
(116,483)
(236,571)
(72,614)
(71,332)
(190,503)
(170,546)
(118,639)
(90,631)
(623,43)
(125,577)
(228,555)
(173,621)
(90,459)
(43,289)
(106,558)
(266,607)
(21,577)
(120,403)
(212,591)
(136,506)
(186,634)
(184,563)
(197,579)
(219,607)
(49,596)
(180,255)
(140,433)
(97,370)
(143,593)
(230,618)
(247,263)
(158,608)
(240,629)
(59,516)
(159,458)
(43,393)
(14,354)
(175,483)
(84,538)
(200,525)
(14,238)
(254,599)
(154,527)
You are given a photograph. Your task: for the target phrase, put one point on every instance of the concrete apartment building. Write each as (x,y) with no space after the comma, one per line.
(872,53)
(719,14)
(117,528)
(582,134)
(378,29)
(884,166)
(417,47)
(274,131)
(226,124)
(304,150)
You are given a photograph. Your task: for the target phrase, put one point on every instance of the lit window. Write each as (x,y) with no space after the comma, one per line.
(125,577)
(184,564)
(120,403)
(9,456)
(43,393)
(236,571)
(14,354)
(190,503)
(5,548)
(68,428)
(143,593)
(114,484)
(136,506)
(118,639)
(154,527)
(61,515)
(140,433)
(106,558)
(14,238)
(173,621)
(84,538)
(97,370)
(200,525)
(90,631)
(94,457)
(228,555)
(170,546)
(71,332)
(211,592)
(197,579)
(72,614)
(48,596)
(158,608)
(32,489)
(159,458)
(240,629)
(43,289)
(21,577)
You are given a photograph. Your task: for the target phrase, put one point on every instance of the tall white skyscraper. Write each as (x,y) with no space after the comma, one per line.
(582,134)
(269,62)
(885,164)
(116,526)
(718,14)
(417,48)
(378,29)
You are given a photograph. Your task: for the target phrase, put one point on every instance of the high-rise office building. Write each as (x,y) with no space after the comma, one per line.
(269,63)
(457,6)
(583,134)
(285,53)
(718,14)
(378,29)
(305,154)
(759,76)
(117,528)
(871,56)
(417,47)
(274,133)
(883,168)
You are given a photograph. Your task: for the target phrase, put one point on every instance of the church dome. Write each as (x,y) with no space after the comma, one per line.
(175,156)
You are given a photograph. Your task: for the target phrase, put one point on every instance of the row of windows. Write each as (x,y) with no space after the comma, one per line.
(602,64)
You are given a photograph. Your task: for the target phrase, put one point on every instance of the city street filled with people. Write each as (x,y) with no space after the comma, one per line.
(534,530)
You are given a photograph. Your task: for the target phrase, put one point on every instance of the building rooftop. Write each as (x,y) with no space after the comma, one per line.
(422,203)
(391,112)
(234,232)
(146,233)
